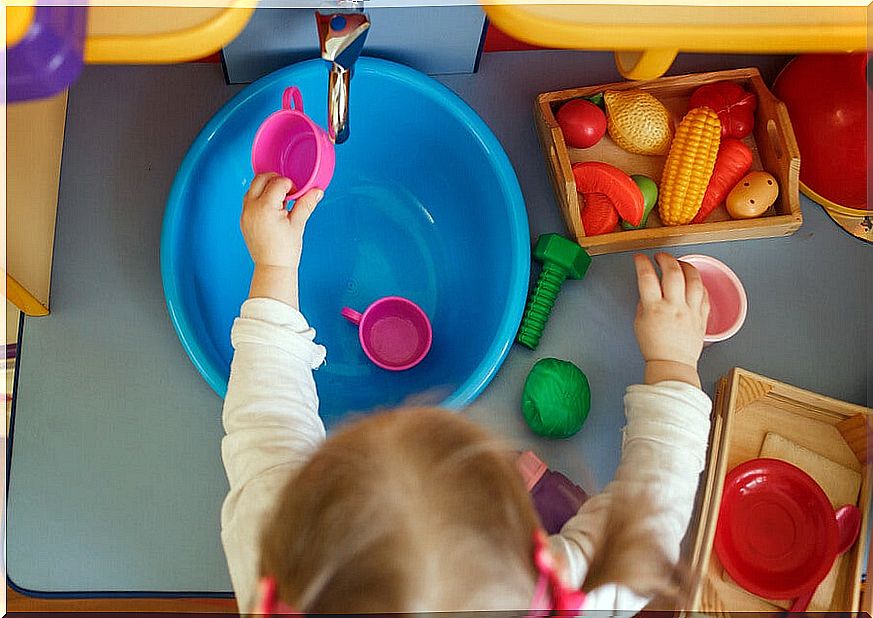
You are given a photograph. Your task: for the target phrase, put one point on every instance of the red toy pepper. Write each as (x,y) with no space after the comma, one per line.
(734,105)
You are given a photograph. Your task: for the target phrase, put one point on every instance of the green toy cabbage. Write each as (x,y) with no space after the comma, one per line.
(556,398)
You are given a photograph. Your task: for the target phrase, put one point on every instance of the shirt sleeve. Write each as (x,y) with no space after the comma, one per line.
(271,424)
(663,453)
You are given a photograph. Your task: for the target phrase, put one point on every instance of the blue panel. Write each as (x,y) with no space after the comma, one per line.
(431,39)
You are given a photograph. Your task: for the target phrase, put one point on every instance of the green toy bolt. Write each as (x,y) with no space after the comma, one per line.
(561,259)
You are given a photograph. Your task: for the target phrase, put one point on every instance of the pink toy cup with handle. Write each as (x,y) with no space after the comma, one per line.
(289,143)
(727,297)
(394,332)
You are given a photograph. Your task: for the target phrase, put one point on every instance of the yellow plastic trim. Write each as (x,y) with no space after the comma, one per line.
(170,47)
(24,300)
(833,206)
(652,43)
(648,64)
(18,21)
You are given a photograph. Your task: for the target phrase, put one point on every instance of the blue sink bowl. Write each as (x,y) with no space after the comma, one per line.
(424,204)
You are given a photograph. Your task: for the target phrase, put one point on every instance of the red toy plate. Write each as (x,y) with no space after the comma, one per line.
(776,534)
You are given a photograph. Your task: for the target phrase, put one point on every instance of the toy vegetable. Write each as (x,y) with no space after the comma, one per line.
(734,105)
(752,196)
(582,123)
(732,163)
(689,166)
(556,398)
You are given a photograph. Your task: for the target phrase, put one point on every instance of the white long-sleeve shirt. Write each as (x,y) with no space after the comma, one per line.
(271,420)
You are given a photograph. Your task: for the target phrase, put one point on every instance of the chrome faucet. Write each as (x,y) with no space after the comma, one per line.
(342,30)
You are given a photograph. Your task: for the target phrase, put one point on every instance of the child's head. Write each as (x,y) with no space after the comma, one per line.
(409,510)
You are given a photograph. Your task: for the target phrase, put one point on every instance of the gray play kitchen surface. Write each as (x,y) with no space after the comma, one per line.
(116,480)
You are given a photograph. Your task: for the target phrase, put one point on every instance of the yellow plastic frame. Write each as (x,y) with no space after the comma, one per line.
(646,51)
(179,46)
(18,21)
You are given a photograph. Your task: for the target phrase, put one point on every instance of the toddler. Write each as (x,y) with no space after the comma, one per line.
(420,509)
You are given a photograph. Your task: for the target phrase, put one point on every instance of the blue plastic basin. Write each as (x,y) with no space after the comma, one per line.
(424,204)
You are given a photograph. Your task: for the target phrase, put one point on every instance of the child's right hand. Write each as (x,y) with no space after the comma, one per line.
(273,235)
(671,318)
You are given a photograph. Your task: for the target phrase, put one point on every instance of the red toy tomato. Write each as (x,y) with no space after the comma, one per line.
(827,96)
(582,123)
(735,107)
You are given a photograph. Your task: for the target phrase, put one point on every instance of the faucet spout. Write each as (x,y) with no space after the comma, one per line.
(341,33)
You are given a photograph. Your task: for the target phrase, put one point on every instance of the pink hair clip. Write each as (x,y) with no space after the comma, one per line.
(551,594)
(270,604)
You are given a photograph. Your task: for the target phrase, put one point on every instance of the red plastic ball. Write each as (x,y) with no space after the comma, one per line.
(826,96)
(582,123)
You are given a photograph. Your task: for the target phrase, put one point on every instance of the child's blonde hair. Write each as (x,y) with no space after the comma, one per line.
(411,510)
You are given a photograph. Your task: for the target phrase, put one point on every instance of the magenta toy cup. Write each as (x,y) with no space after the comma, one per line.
(289,143)
(727,297)
(395,333)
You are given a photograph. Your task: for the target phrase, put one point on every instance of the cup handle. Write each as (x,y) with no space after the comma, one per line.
(351,315)
(292,99)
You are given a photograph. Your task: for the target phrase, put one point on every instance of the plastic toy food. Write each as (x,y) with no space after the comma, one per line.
(599,216)
(733,104)
(556,398)
(752,196)
(561,259)
(625,195)
(582,123)
(732,163)
(638,122)
(650,197)
(689,166)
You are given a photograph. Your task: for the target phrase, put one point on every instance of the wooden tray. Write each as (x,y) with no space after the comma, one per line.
(748,406)
(772,143)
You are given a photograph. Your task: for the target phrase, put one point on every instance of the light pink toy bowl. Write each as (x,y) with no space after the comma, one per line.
(395,333)
(290,144)
(727,297)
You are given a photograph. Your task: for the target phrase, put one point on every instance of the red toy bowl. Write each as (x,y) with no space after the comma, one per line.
(776,534)
(826,96)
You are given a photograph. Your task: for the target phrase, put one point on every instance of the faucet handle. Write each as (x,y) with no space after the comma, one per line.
(342,35)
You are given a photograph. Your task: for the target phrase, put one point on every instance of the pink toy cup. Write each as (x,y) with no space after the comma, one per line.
(290,144)
(395,333)
(727,297)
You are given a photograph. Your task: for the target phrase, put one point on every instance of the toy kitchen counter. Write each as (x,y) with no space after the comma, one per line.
(116,481)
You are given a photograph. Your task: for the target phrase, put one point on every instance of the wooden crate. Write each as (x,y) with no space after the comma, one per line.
(772,143)
(748,406)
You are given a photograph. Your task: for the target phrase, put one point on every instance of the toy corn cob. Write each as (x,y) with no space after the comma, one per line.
(689,166)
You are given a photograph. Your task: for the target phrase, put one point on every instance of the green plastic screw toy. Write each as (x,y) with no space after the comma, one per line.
(561,259)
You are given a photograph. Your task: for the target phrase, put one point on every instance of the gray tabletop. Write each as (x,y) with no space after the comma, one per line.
(116,479)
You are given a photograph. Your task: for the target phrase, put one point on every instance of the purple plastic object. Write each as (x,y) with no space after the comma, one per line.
(555,497)
(395,333)
(49,57)
(292,145)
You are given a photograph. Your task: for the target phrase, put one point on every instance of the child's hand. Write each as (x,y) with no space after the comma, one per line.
(671,318)
(273,235)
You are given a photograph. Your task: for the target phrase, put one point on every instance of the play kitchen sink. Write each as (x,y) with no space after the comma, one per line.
(424,204)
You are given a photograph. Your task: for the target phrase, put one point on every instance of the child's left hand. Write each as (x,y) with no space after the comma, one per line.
(273,235)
